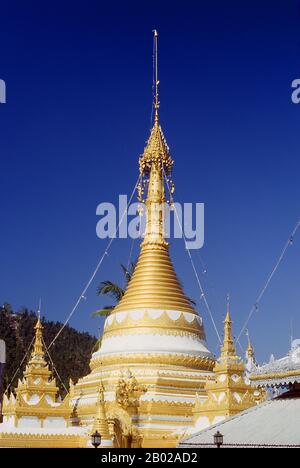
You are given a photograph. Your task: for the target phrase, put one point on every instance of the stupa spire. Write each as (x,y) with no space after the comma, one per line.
(250,349)
(250,356)
(36,392)
(227,393)
(228,349)
(38,355)
(154,283)
(100,423)
(156,103)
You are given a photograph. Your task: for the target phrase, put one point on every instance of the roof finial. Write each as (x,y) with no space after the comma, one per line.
(100,422)
(228,348)
(250,350)
(292,332)
(38,355)
(39,309)
(228,303)
(156,102)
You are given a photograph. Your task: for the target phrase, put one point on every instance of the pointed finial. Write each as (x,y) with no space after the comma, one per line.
(156,102)
(228,348)
(228,305)
(38,325)
(250,350)
(292,332)
(100,422)
(39,309)
(38,354)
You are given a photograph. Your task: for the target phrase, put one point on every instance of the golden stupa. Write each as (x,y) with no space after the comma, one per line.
(153,357)
(153,380)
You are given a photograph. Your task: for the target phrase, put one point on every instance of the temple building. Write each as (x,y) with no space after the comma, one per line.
(35,416)
(272,424)
(278,375)
(228,391)
(154,358)
(154,379)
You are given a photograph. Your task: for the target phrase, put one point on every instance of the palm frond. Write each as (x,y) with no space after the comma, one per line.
(105,312)
(111,289)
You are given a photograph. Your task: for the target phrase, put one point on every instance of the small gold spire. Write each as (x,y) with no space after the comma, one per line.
(228,349)
(100,423)
(38,355)
(250,349)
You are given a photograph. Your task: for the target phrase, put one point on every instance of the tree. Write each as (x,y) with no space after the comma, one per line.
(113,290)
(116,292)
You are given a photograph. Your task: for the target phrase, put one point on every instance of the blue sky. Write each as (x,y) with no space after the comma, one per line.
(79,77)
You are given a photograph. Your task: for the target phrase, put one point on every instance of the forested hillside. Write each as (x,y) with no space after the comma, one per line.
(71,352)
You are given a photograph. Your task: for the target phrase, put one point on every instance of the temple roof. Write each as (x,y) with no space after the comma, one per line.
(281,371)
(251,429)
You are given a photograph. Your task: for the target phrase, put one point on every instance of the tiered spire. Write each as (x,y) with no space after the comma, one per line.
(154,283)
(228,393)
(250,350)
(250,357)
(228,350)
(36,393)
(37,375)
(100,423)
(38,355)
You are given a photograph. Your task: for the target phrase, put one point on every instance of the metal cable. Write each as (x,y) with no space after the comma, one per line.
(203,295)
(82,295)
(255,306)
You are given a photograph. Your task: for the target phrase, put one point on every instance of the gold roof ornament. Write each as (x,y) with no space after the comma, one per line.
(229,362)
(100,423)
(38,355)
(250,350)
(228,351)
(36,392)
(228,392)
(37,375)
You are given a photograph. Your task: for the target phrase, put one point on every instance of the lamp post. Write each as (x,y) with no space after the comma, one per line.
(218,439)
(96,439)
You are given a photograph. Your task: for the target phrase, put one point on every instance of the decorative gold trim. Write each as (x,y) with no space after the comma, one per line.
(275,375)
(161,323)
(192,362)
(153,331)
